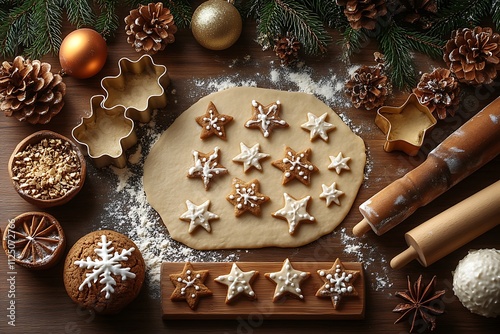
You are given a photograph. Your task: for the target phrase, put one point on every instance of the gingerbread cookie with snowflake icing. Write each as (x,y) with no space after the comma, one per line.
(246,197)
(213,123)
(296,166)
(189,285)
(266,118)
(206,166)
(287,281)
(338,283)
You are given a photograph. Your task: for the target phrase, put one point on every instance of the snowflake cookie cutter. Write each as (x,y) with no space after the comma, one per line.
(139,87)
(405,126)
(106,134)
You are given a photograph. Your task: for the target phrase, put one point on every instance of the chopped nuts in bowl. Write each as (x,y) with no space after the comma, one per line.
(47,169)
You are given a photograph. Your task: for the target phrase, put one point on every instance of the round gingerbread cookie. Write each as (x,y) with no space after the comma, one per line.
(104,271)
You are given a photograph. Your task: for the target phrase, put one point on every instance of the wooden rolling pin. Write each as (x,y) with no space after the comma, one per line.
(451,229)
(467,149)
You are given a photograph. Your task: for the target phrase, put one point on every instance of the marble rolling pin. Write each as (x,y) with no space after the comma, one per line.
(451,229)
(467,149)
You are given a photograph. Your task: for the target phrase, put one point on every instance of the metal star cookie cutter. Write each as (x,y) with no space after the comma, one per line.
(139,87)
(405,126)
(106,134)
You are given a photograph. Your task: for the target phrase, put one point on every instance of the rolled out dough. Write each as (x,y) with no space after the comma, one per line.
(167,186)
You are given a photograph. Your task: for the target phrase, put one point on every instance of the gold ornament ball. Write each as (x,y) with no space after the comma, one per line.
(83,53)
(216,24)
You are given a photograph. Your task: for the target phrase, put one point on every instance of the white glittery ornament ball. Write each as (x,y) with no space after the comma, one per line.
(476,282)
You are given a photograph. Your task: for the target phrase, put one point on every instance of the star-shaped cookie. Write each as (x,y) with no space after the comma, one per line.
(296,166)
(250,157)
(206,166)
(287,281)
(198,215)
(294,212)
(266,118)
(246,197)
(189,285)
(213,123)
(238,283)
(331,194)
(338,283)
(317,126)
(338,163)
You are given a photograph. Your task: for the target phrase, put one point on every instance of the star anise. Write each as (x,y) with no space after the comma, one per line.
(421,301)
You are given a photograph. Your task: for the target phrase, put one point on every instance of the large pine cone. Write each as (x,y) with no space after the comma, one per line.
(29,91)
(473,55)
(439,91)
(287,49)
(150,28)
(419,12)
(367,87)
(363,13)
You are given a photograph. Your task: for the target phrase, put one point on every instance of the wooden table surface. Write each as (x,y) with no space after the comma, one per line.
(40,298)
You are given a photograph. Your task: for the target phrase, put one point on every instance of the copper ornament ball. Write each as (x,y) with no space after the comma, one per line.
(83,53)
(216,24)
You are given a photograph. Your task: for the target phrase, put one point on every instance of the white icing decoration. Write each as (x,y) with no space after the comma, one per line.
(108,265)
(337,284)
(198,215)
(207,168)
(294,211)
(331,194)
(250,156)
(213,121)
(296,162)
(317,126)
(238,282)
(246,196)
(189,282)
(266,118)
(288,280)
(339,163)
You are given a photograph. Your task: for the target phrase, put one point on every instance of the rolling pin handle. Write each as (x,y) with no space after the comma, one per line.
(361,228)
(402,259)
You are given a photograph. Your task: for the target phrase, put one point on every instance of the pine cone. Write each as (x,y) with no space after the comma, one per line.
(473,55)
(150,28)
(29,91)
(287,49)
(363,13)
(367,87)
(419,12)
(439,91)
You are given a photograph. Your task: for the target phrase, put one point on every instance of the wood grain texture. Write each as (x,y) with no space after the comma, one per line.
(310,308)
(41,300)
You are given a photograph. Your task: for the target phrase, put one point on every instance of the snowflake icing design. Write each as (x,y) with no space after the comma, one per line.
(206,166)
(108,265)
(266,118)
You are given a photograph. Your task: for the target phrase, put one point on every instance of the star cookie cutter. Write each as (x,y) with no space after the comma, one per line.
(405,126)
(106,134)
(139,87)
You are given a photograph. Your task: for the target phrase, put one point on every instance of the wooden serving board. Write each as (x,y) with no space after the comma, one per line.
(215,307)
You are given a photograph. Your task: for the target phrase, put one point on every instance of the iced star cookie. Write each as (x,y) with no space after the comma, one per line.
(317,126)
(338,283)
(331,194)
(189,285)
(266,118)
(250,157)
(198,215)
(294,212)
(296,166)
(287,281)
(206,166)
(238,283)
(339,163)
(246,197)
(213,123)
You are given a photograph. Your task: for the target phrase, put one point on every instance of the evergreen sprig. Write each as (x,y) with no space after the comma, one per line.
(495,13)
(107,22)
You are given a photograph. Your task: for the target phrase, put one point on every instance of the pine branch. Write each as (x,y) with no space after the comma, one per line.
(397,52)
(495,14)
(182,12)
(79,13)
(278,17)
(328,11)
(352,40)
(431,46)
(107,21)
(44,29)
(13,32)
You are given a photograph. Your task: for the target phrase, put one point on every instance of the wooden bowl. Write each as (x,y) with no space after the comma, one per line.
(34,139)
(34,240)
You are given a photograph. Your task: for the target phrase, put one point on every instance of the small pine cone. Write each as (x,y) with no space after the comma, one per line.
(367,87)
(363,13)
(439,91)
(287,49)
(150,28)
(29,91)
(420,12)
(473,55)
